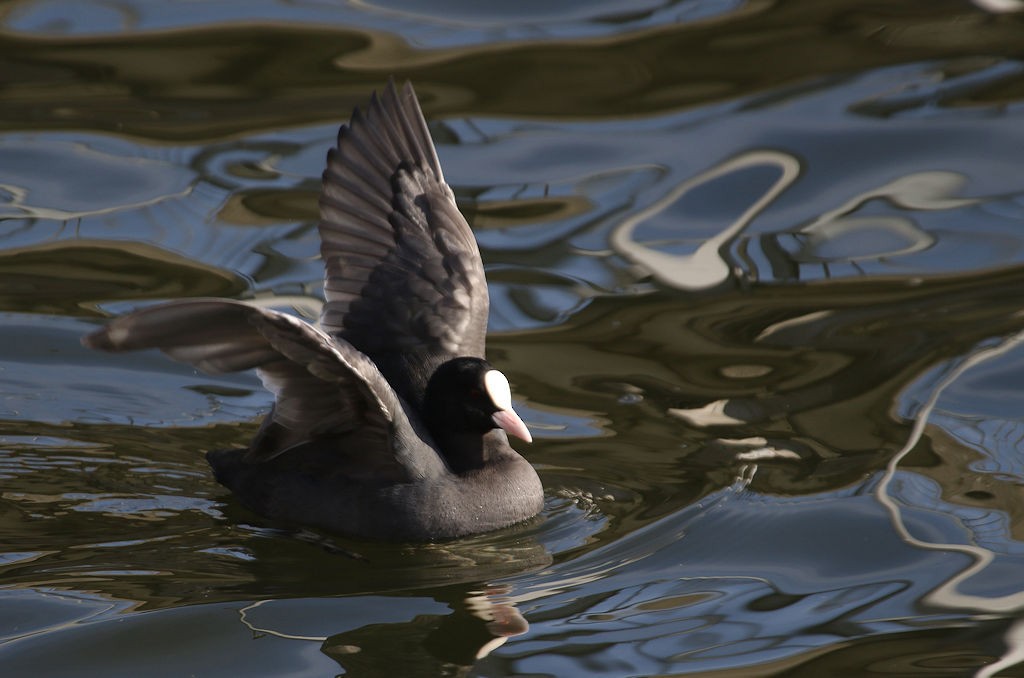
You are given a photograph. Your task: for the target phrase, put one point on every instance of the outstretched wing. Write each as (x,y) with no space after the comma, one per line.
(404,282)
(325,388)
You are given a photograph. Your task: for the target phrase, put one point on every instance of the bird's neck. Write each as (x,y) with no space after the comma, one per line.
(466,452)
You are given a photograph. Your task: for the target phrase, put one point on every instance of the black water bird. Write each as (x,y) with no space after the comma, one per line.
(388,422)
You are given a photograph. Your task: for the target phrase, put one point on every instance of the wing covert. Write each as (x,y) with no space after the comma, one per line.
(324,388)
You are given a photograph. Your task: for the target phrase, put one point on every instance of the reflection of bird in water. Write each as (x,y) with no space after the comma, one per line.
(430,645)
(426,645)
(388,422)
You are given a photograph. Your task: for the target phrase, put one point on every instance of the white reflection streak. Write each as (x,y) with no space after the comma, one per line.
(946,595)
(1000,7)
(270,632)
(704,268)
(1014,638)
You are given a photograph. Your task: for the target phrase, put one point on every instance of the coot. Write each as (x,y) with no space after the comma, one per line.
(388,422)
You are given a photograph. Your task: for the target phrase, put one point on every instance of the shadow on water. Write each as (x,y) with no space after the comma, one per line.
(815,369)
(228,79)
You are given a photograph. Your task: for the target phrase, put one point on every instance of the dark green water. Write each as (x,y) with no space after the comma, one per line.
(756,273)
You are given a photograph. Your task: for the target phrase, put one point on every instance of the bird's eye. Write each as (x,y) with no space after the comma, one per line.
(476,393)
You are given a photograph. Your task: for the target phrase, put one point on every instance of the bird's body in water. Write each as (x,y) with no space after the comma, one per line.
(388,421)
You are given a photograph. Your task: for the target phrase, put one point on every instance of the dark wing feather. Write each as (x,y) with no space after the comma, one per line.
(324,388)
(404,282)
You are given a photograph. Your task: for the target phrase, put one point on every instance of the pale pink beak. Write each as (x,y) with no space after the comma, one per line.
(510,422)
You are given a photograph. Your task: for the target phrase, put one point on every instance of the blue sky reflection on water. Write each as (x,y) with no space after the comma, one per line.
(755,276)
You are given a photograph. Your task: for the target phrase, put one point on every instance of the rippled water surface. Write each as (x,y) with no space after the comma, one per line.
(756,272)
